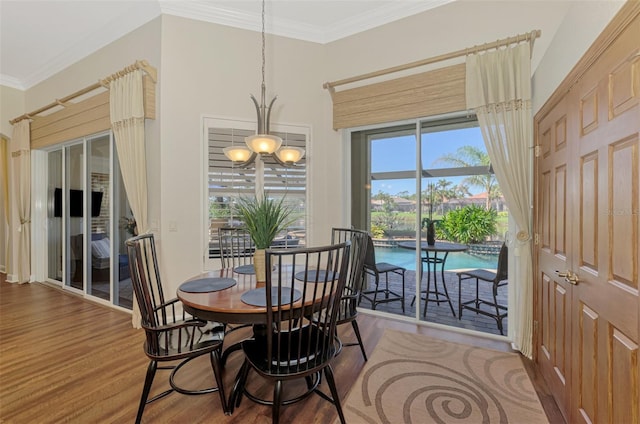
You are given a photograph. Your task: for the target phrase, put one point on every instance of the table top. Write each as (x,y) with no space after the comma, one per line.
(440,246)
(226,305)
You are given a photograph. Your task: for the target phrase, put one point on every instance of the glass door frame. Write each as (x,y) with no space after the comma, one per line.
(41,206)
(419,126)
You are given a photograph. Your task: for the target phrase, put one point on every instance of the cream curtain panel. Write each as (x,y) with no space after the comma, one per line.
(4,192)
(21,189)
(127,121)
(499,91)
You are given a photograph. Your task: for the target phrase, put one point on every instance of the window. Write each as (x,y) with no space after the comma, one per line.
(225,180)
(454,169)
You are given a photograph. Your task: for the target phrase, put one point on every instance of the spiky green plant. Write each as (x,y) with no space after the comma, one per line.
(263,217)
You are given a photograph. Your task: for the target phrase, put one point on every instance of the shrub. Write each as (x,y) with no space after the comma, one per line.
(377,231)
(471,224)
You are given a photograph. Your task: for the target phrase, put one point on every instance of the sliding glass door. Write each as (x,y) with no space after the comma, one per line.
(85,235)
(432,173)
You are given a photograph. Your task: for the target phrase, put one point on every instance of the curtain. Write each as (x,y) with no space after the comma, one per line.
(499,91)
(127,121)
(4,193)
(21,185)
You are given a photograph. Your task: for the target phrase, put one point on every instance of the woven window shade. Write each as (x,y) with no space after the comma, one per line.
(83,118)
(415,96)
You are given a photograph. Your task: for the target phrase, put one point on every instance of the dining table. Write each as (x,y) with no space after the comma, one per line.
(432,260)
(230,297)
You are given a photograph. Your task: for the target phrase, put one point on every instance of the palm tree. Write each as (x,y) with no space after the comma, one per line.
(469,156)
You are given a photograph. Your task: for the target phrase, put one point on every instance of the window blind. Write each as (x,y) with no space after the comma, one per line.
(426,94)
(227,178)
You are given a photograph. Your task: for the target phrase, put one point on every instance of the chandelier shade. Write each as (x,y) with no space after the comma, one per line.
(237,153)
(290,154)
(263,143)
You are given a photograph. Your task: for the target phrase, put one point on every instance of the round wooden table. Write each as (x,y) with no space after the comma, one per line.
(431,259)
(224,305)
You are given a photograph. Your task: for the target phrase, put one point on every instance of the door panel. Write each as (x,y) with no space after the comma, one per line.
(590,191)
(554,313)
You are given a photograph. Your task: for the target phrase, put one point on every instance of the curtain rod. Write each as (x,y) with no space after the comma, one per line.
(139,64)
(530,37)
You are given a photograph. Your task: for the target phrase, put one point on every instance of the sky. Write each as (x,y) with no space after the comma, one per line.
(399,154)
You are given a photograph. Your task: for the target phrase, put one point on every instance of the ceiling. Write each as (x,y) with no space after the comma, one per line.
(39,38)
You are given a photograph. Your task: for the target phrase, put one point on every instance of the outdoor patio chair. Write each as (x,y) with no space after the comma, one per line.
(496,279)
(376,269)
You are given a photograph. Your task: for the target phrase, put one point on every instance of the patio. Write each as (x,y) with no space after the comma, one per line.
(440,313)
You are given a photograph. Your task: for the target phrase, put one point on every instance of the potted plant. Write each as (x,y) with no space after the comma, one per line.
(264,218)
(429,222)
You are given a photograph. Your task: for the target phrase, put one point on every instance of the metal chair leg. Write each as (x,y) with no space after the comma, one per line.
(277,398)
(148,381)
(356,330)
(217,371)
(328,372)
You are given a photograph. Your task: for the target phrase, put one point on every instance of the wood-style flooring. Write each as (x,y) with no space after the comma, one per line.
(67,359)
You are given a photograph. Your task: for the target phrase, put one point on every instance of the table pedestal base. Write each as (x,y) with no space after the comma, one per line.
(435,295)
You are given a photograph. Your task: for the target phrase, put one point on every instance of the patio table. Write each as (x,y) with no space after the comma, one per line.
(431,259)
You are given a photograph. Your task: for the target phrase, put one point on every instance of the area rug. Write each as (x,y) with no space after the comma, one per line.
(411,378)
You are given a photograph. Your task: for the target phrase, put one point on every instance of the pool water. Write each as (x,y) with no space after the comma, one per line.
(456,260)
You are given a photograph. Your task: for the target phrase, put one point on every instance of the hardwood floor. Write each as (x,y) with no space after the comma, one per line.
(66,359)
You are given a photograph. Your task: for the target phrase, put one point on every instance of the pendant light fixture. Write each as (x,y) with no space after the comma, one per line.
(263,143)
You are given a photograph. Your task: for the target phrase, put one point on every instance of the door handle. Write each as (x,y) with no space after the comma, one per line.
(569,277)
(572,278)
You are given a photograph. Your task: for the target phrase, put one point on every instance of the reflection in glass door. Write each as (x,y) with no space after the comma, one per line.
(54,217)
(73,213)
(99,177)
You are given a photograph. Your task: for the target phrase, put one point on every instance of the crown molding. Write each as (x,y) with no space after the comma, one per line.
(11,82)
(213,13)
(380,16)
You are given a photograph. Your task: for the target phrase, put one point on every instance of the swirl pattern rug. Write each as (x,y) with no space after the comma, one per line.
(412,378)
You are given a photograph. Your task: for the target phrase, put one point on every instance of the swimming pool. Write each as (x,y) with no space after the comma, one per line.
(406,258)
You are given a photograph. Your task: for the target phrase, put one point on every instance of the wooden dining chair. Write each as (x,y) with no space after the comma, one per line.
(236,249)
(169,338)
(347,313)
(496,280)
(300,340)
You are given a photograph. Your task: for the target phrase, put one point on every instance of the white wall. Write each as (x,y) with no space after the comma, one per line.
(452,27)
(584,21)
(210,70)
(11,106)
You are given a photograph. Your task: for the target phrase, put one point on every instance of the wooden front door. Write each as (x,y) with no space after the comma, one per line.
(588,230)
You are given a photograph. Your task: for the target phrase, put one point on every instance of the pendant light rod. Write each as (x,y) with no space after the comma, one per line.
(263,112)
(263,143)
